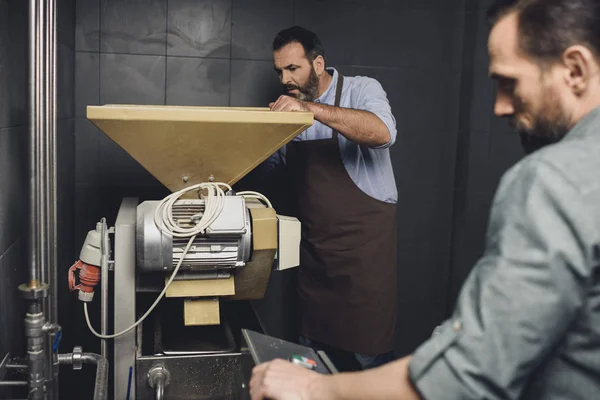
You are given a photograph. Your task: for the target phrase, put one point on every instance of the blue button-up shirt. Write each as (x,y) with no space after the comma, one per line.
(527,322)
(370,168)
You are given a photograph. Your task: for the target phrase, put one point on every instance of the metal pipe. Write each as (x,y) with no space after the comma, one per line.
(13,383)
(101,384)
(160,387)
(34,274)
(104,286)
(40,139)
(34,330)
(51,195)
(16,366)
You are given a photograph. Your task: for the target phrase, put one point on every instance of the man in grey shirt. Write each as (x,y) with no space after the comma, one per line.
(527,323)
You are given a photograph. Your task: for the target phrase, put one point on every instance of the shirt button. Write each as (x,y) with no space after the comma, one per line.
(457,326)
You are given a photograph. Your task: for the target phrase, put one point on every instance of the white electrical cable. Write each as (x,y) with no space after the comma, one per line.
(255,195)
(214,202)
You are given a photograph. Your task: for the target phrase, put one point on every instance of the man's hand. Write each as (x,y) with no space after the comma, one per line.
(287,103)
(282,380)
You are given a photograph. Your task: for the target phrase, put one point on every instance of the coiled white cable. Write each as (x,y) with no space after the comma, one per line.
(214,201)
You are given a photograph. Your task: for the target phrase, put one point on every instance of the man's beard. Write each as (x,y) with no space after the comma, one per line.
(549,126)
(308,91)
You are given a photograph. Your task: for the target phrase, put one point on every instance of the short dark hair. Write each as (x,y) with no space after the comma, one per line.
(309,41)
(549,27)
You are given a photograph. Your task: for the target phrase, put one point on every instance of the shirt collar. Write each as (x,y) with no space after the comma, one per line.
(586,126)
(332,86)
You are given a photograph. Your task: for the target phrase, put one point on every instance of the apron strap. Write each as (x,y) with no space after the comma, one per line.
(338,98)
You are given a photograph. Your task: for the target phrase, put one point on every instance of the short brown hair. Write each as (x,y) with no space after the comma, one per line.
(549,27)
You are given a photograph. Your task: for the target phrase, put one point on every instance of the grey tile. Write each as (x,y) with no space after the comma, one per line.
(478,174)
(12,308)
(413,37)
(65,149)
(502,125)
(255,24)
(136,27)
(470,243)
(481,57)
(14,177)
(335,23)
(13,63)
(87,25)
(424,232)
(66,23)
(65,75)
(87,82)
(482,99)
(346,70)
(88,166)
(132,79)
(65,224)
(92,202)
(199,28)
(429,101)
(198,81)
(446,5)
(253,83)
(505,151)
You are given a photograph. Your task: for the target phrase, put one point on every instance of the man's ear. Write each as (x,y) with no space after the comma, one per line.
(319,65)
(580,68)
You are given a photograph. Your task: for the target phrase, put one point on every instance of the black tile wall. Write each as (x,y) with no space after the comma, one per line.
(132,79)
(198,81)
(255,24)
(199,28)
(133,27)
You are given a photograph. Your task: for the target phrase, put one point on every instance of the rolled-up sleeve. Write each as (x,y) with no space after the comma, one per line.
(373,98)
(521,296)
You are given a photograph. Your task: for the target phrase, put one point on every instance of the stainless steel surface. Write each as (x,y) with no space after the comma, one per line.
(105,249)
(160,388)
(124,297)
(195,377)
(51,247)
(226,244)
(34,273)
(152,247)
(159,378)
(77,358)
(42,245)
(101,383)
(34,323)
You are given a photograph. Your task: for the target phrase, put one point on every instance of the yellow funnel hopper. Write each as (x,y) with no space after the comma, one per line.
(183,146)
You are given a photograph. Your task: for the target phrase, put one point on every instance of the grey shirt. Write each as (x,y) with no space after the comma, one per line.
(527,322)
(370,168)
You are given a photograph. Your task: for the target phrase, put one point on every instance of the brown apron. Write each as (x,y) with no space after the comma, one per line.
(347,274)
